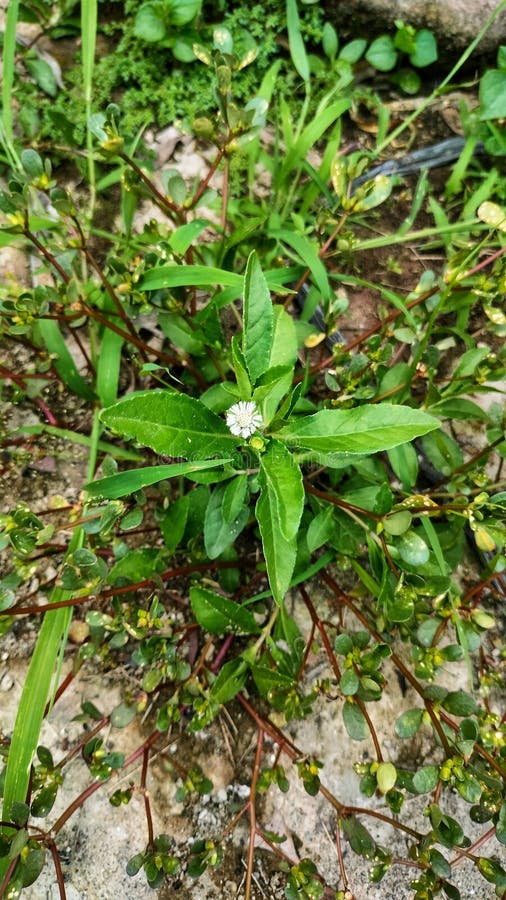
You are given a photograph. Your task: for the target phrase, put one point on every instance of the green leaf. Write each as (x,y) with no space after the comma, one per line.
(217,614)
(492,870)
(183,237)
(49,332)
(460,408)
(413,549)
(32,865)
(330,41)
(134,864)
(270,390)
(187,276)
(349,682)
(364,430)
(171,424)
(230,680)
(279,553)
(425,49)
(308,253)
(382,54)
(320,529)
(297,48)
(355,722)
(493,95)
(281,478)
(136,565)
(352,51)
(284,339)
(258,320)
(459,703)
(443,452)
(234,497)
(466,368)
(404,462)
(43,75)
(500,828)
(123,714)
(149,22)
(408,723)
(126,483)
(183,11)
(386,776)
(219,534)
(371,194)
(399,522)
(426,779)
(359,838)
(181,334)
(439,864)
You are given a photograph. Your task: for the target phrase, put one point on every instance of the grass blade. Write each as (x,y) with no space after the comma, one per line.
(34,698)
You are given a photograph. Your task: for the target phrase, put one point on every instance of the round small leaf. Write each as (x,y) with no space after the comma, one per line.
(386,776)
(413,549)
(426,779)
(122,715)
(349,683)
(459,703)
(149,23)
(408,723)
(398,522)
(382,54)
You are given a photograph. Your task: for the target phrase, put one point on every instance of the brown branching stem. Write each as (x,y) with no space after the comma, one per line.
(168,206)
(335,668)
(252,813)
(145,793)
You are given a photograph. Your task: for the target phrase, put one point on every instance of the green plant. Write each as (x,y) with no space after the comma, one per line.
(271,455)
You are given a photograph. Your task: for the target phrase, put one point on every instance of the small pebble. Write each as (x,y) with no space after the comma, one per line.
(6,682)
(78,632)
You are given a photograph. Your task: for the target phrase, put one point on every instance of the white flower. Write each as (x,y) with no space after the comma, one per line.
(243,418)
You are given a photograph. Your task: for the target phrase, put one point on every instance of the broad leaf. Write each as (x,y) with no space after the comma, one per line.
(271,389)
(187,276)
(358,836)
(230,680)
(281,478)
(365,429)
(219,533)
(258,320)
(271,510)
(128,482)
(284,339)
(218,614)
(171,424)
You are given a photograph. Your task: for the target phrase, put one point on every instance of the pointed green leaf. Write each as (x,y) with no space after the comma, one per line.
(234,497)
(187,276)
(358,836)
(282,479)
(279,552)
(171,424)
(218,614)
(230,680)
(219,534)
(258,320)
(125,483)
(365,429)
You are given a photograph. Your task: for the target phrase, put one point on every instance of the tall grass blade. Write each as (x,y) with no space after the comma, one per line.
(9,55)
(34,698)
(89,39)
